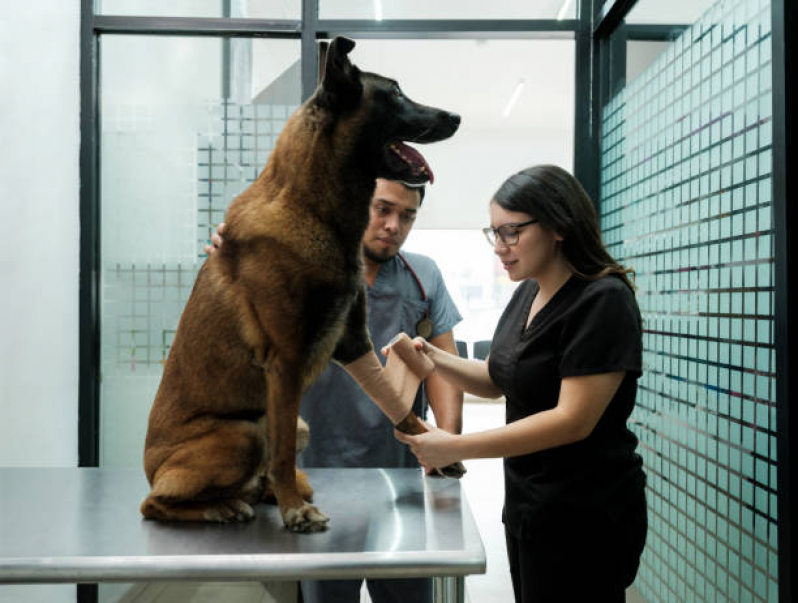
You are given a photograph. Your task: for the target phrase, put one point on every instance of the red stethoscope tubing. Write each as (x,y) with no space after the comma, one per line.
(420,288)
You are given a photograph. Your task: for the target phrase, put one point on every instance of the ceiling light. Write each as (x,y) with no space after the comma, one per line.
(563,9)
(513,98)
(378,10)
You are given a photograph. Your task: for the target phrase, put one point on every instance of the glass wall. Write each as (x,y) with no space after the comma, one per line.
(687,202)
(174,153)
(188,122)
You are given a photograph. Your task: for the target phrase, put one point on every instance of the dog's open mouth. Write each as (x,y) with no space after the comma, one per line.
(412,162)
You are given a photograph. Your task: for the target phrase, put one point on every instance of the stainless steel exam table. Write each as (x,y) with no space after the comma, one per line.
(70,525)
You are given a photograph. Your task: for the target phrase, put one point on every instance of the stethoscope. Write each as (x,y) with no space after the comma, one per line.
(424,327)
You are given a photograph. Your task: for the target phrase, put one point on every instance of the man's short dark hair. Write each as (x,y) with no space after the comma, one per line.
(420,188)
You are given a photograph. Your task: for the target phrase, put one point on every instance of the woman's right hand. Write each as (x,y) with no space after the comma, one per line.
(216,240)
(469,375)
(419,344)
(424,346)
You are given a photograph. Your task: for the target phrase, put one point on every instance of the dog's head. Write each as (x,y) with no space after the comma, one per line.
(381,118)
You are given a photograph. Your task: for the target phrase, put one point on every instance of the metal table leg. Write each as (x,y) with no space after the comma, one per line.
(448,589)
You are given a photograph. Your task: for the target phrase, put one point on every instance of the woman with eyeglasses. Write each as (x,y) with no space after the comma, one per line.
(566,354)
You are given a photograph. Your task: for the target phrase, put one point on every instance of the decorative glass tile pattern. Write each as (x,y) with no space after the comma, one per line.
(686,202)
(145,304)
(229,161)
(143,301)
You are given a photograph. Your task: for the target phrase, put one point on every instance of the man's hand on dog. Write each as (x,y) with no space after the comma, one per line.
(216,239)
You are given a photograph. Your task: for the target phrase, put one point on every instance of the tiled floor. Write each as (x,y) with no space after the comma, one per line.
(209,592)
(484,487)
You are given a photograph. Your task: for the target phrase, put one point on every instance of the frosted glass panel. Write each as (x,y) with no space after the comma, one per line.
(686,201)
(174,154)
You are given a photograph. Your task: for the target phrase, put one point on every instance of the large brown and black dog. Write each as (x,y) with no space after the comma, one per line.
(281,298)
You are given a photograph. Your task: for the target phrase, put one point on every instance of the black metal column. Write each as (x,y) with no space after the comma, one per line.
(88,303)
(784,15)
(309,56)
(89,355)
(587,109)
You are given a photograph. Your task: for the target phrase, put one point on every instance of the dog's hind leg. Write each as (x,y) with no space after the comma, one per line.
(211,478)
(284,384)
(217,511)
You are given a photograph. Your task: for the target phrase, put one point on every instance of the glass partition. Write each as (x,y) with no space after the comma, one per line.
(686,201)
(174,153)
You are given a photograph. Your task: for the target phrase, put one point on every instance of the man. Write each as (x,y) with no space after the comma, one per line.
(406,293)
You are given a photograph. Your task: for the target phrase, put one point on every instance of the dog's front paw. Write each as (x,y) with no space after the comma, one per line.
(229,510)
(411,425)
(455,470)
(305,518)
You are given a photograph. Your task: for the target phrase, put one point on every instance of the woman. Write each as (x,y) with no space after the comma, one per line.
(566,354)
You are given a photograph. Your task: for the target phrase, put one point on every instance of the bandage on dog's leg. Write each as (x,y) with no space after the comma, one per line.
(406,368)
(394,388)
(402,348)
(386,393)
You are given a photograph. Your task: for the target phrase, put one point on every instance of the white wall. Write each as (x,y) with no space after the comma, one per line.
(471,166)
(39,244)
(39,252)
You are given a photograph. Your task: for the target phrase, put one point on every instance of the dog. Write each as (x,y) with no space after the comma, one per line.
(283,296)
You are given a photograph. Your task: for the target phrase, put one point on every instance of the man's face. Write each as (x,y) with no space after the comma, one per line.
(393,212)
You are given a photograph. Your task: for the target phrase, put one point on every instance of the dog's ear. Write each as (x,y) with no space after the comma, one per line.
(340,80)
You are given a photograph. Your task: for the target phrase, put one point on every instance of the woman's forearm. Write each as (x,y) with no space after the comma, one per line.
(546,429)
(541,431)
(445,398)
(469,375)
(580,406)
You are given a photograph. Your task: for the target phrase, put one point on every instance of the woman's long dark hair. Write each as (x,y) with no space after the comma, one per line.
(561,205)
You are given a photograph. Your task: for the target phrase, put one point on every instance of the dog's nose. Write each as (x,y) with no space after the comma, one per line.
(455,119)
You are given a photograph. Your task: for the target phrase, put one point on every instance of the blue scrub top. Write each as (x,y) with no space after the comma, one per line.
(346,428)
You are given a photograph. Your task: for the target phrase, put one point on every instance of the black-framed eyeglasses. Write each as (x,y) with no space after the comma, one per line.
(506,233)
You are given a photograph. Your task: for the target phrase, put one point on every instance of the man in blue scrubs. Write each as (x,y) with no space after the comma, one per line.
(406,293)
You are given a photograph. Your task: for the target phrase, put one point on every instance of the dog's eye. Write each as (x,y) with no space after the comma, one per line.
(397,92)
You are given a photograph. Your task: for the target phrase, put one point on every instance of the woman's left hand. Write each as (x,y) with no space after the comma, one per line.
(435,448)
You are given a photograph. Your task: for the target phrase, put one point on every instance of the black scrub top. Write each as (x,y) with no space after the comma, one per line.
(589,327)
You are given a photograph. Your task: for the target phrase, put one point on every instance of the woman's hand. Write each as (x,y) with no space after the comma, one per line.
(435,448)
(421,345)
(216,239)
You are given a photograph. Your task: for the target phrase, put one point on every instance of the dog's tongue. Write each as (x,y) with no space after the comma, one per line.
(414,159)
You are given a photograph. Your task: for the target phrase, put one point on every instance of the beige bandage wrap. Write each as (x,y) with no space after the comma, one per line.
(394,387)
